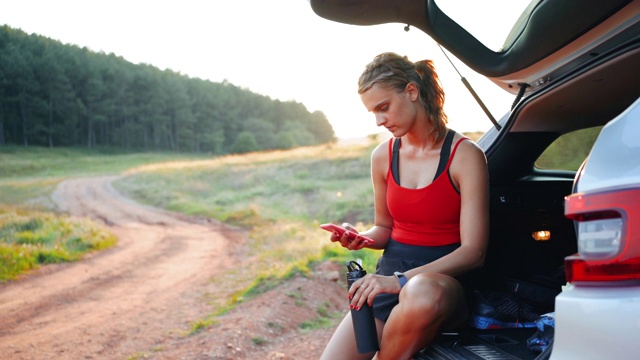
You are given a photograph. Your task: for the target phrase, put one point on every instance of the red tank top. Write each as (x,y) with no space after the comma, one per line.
(429,216)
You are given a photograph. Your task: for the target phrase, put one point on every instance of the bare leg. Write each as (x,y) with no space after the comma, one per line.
(428,304)
(343,342)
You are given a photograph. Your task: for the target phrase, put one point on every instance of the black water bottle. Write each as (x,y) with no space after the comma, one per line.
(364,324)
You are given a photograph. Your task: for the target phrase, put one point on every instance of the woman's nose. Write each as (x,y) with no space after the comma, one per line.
(380,120)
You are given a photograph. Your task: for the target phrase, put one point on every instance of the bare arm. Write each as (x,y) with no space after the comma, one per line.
(381,230)
(383,222)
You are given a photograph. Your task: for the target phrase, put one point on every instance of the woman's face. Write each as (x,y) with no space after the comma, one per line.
(394,110)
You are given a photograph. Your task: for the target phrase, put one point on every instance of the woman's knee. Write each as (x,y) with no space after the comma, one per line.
(429,294)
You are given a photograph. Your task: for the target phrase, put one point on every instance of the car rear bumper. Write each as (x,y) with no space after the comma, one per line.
(597,323)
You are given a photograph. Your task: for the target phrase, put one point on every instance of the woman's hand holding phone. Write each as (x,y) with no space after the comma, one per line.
(348,238)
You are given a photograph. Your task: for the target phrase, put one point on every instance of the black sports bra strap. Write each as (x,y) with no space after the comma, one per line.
(395,161)
(445,153)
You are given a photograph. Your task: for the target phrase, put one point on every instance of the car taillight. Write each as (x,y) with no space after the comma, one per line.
(608,232)
(599,238)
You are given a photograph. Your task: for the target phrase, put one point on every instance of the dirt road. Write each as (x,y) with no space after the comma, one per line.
(137,299)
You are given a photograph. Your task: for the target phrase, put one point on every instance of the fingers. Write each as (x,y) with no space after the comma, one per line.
(354,240)
(366,289)
(342,239)
(361,291)
(348,227)
(350,239)
(352,245)
(335,237)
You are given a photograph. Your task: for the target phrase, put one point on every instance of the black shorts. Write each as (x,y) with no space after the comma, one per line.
(402,257)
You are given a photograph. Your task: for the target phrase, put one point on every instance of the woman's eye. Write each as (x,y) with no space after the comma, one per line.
(381,108)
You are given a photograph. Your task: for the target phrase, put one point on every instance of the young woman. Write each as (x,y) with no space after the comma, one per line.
(431,214)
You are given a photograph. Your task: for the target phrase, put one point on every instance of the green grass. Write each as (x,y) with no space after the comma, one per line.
(327,183)
(29,239)
(569,151)
(29,174)
(324,319)
(259,341)
(21,191)
(40,162)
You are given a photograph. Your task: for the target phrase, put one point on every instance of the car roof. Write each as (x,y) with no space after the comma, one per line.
(550,39)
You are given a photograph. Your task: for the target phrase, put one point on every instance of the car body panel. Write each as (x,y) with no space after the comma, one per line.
(596,323)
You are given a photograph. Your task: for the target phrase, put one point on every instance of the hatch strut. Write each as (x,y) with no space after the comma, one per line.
(523,88)
(473,93)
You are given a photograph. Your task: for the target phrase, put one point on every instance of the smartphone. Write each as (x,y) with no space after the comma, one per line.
(333,228)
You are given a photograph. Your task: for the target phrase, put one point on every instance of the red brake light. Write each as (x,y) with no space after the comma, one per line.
(608,236)
(579,270)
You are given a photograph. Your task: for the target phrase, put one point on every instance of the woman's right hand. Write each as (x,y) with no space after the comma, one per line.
(356,243)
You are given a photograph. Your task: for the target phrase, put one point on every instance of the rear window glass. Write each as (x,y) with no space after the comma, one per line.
(569,150)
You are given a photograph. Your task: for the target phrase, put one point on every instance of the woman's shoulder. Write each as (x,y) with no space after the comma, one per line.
(380,157)
(381,151)
(467,153)
(467,145)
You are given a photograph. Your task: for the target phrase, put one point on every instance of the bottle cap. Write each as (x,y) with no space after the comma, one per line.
(355,270)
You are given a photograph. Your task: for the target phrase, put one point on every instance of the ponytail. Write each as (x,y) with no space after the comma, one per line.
(432,96)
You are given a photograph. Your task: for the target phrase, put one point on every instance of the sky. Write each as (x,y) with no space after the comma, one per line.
(277,48)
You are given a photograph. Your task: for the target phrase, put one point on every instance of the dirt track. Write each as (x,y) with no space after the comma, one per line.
(138,298)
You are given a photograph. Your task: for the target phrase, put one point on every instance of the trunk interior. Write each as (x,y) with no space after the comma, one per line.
(529,271)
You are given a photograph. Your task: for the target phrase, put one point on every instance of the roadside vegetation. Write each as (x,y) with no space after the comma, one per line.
(31,238)
(29,174)
(31,233)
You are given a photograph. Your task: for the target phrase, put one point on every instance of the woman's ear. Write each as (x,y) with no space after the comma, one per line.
(412,90)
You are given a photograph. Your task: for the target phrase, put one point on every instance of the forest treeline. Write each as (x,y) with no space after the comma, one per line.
(54,94)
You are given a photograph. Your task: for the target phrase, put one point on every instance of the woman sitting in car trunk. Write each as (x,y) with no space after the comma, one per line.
(431,214)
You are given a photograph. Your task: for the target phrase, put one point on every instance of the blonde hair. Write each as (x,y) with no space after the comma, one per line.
(395,71)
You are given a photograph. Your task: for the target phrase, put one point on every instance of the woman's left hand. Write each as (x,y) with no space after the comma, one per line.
(366,289)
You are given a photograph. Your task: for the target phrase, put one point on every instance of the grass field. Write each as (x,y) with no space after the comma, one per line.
(29,174)
(31,234)
(280,197)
